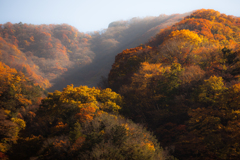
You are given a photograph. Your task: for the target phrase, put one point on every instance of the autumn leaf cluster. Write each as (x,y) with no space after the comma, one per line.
(84,123)
(183,84)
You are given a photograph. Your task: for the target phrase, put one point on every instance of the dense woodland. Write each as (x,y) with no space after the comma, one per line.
(172,92)
(45,52)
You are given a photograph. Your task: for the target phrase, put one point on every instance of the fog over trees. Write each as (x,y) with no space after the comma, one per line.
(106,44)
(163,87)
(53,54)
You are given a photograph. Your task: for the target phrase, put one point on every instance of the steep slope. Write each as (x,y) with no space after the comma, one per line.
(13,57)
(77,123)
(43,51)
(217,32)
(19,98)
(83,123)
(107,43)
(184,85)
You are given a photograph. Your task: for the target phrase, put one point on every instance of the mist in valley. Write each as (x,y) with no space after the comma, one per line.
(107,43)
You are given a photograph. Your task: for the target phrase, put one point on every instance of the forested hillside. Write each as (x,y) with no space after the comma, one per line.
(184,85)
(45,52)
(173,90)
(107,43)
(79,122)
(19,100)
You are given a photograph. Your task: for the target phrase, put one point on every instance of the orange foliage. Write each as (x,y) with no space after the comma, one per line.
(204,44)
(49,45)
(206,22)
(219,37)
(59,144)
(46,34)
(6,76)
(35,45)
(32,38)
(86,113)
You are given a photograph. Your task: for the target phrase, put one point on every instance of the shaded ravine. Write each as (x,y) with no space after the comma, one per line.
(88,75)
(101,65)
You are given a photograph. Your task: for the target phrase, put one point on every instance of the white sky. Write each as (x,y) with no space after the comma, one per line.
(92,15)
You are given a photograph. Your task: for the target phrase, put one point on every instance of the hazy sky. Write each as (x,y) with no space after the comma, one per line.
(91,15)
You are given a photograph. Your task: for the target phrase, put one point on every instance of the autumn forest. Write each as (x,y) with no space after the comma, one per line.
(153,88)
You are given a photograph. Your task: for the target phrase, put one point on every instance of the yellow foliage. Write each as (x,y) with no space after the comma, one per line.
(126,126)
(110,106)
(178,46)
(6,76)
(236,111)
(215,83)
(146,72)
(7,112)
(22,99)
(21,123)
(102,132)
(3,147)
(78,95)
(185,36)
(148,144)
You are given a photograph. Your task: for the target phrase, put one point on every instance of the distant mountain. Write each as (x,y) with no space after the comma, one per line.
(177,76)
(106,44)
(43,52)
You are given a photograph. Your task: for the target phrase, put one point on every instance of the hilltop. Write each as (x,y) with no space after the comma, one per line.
(171,93)
(184,85)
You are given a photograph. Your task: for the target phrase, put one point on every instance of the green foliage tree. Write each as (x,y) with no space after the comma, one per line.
(169,85)
(211,90)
